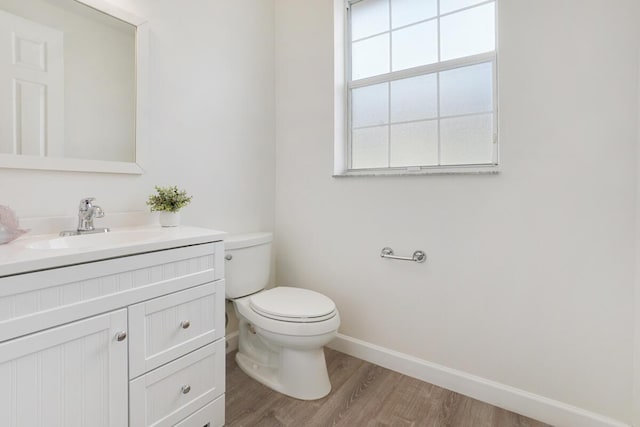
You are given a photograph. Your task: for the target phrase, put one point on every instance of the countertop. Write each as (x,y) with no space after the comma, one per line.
(24,255)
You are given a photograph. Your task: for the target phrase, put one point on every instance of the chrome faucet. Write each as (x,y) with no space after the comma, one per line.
(87,212)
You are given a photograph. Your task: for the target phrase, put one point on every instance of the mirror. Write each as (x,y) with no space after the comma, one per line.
(72,86)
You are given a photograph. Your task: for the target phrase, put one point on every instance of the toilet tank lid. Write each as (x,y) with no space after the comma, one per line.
(246,240)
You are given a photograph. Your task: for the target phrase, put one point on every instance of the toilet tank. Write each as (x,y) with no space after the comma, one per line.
(247,263)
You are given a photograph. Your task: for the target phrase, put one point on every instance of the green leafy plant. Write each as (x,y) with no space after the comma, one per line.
(168,199)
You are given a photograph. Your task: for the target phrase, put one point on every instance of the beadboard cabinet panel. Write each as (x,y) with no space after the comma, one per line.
(70,376)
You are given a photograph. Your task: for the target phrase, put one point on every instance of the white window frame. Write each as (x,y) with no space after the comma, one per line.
(343,159)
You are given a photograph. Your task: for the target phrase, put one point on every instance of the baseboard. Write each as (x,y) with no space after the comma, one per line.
(528,404)
(232,341)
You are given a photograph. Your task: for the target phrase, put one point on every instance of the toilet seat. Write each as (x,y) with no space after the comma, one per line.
(293,305)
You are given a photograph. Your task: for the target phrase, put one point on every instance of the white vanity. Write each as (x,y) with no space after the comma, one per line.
(115,329)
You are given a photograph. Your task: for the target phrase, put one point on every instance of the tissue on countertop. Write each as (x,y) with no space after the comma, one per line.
(9,225)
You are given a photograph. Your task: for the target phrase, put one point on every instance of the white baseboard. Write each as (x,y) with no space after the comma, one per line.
(232,341)
(528,404)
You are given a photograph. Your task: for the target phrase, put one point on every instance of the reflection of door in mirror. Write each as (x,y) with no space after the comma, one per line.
(67,82)
(31,87)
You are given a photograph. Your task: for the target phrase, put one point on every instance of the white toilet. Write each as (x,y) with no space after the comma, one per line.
(282,330)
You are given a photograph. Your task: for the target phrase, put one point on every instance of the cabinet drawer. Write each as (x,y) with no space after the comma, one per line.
(166,328)
(165,396)
(211,415)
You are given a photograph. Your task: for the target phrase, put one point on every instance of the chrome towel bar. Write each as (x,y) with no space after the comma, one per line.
(418,256)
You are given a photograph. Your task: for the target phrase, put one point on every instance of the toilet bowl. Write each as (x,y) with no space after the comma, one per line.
(282,331)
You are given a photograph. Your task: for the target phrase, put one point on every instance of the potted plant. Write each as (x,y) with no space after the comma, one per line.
(168,201)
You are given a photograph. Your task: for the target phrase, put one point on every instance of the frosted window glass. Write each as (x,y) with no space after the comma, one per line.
(447,6)
(370,105)
(466,140)
(370,148)
(405,12)
(414,144)
(415,45)
(415,98)
(468,33)
(369,17)
(370,57)
(466,90)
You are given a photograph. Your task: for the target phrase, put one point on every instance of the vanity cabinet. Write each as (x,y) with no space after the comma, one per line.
(133,340)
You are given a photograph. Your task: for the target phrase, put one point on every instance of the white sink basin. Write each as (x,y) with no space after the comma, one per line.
(84,241)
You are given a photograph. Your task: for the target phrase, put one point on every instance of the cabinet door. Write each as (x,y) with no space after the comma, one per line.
(72,375)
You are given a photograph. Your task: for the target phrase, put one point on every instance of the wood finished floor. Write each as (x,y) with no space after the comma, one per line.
(363,394)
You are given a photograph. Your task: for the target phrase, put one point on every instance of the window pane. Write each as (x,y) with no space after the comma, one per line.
(370,57)
(447,6)
(415,98)
(405,12)
(370,105)
(466,90)
(414,144)
(467,140)
(415,45)
(369,17)
(370,148)
(468,33)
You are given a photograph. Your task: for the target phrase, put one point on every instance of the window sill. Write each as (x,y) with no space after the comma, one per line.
(450,170)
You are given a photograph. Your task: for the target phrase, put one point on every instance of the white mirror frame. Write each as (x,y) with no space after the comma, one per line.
(13,161)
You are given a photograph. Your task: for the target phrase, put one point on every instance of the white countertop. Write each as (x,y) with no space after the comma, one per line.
(31,253)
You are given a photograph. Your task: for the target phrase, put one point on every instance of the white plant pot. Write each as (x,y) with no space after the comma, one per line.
(169,219)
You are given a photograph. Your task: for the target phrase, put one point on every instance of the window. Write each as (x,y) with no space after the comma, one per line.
(421,83)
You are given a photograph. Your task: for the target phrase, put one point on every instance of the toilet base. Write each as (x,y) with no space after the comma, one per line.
(287,357)
(305,376)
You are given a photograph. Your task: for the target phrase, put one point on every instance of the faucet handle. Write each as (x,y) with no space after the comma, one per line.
(98,212)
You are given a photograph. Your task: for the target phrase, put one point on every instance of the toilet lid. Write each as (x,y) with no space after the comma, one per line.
(293,305)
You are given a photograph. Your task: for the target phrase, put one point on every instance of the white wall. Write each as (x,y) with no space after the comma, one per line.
(100,92)
(530,275)
(211,122)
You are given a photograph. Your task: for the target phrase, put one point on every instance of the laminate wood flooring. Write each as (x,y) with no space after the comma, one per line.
(364,395)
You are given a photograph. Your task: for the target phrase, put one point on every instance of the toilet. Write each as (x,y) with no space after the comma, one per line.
(282,330)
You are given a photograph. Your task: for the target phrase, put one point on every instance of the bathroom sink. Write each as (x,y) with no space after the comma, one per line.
(85,241)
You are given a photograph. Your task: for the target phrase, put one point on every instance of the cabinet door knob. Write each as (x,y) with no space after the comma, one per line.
(121,336)
(185,324)
(186,389)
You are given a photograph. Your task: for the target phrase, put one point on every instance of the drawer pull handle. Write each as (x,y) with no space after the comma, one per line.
(185,324)
(121,336)
(186,389)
